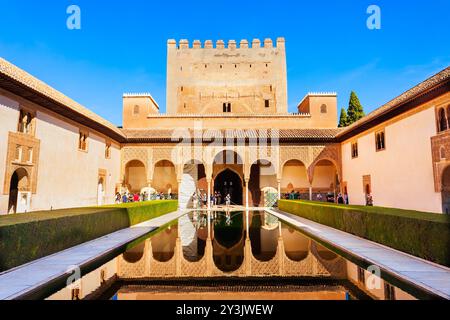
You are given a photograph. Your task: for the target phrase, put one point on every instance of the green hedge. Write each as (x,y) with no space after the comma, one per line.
(425,235)
(27,237)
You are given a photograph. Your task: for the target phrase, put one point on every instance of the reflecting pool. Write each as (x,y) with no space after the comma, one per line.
(231,255)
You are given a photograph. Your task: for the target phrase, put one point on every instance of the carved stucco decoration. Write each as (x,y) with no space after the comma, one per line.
(25,142)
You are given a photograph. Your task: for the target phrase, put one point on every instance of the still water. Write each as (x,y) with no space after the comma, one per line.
(231,255)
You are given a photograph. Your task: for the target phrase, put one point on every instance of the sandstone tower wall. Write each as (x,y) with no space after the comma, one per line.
(245,78)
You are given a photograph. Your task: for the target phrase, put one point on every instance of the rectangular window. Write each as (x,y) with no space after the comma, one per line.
(26,120)
(30,155)
(361,276)
(389,292)
(103,276)
(108,151)
(136,110)
(82,141)
(380,141)
(76,294)
(267,103)
(18,155)
(354,150)
(227,107)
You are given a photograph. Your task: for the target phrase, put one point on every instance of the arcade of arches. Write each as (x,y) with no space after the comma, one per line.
(308,171)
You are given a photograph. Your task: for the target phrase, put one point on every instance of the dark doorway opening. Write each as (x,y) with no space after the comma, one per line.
(446,191)
(13,192)
(229,182)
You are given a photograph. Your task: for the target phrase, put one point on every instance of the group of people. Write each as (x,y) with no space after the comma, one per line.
(128,197)
(215,199)
(330,197)
(343,198)
(292,195)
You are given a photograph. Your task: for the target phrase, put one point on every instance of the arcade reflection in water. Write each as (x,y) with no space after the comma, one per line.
(227,233)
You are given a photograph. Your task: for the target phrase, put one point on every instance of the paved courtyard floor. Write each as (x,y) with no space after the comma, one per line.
(20,281)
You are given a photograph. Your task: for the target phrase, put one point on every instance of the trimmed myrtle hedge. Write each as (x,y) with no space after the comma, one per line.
(30,236)
(425,235)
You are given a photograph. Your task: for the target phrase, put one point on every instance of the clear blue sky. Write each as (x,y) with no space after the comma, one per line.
(122,44)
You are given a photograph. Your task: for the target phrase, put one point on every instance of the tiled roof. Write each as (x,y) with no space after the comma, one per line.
(25,79)
(283,134)
(413,93)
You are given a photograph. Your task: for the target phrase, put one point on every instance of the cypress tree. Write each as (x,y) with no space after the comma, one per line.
(355,110)
(343,119)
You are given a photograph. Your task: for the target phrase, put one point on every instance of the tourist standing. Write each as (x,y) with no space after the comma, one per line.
(205,200)
(195,200)
(228,200)
(212,200)
(369,200)
(219,195)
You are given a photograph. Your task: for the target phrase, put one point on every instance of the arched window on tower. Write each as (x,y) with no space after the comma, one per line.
(442,120)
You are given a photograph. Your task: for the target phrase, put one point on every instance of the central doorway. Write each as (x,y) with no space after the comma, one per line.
(229,182)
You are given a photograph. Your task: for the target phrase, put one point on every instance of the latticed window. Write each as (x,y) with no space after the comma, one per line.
(355,150)
(380,141)
(323,108)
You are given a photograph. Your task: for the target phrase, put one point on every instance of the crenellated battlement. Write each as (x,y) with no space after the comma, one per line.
(184,44)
